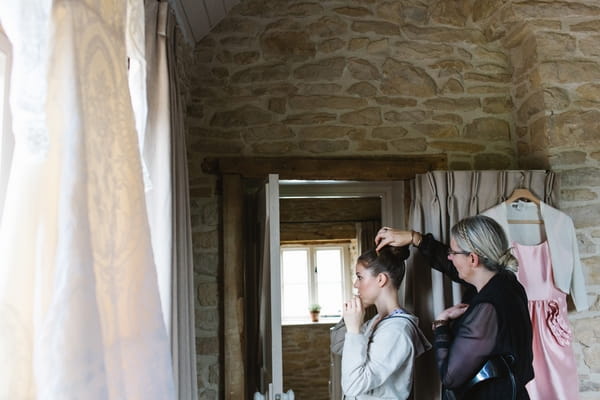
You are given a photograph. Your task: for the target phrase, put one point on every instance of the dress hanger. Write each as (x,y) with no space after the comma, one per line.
(522,193)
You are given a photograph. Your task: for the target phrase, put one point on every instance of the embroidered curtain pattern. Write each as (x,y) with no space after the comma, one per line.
(78,285)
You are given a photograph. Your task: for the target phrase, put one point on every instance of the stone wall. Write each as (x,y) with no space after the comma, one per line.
(306,363)
(494,84)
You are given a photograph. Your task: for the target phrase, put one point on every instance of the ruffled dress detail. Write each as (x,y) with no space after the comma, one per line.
(553,358)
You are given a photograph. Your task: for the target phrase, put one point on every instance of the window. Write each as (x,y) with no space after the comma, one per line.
(314,274)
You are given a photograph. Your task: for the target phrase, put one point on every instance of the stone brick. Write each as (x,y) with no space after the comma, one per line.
(490,77)
(592,270)
(353,11)
(533,105)
(444,34)
(487,161)
(403,79)
(587,26)
(371,145)
(421,50)
(457,146)
(363,89)
(497,105)
(365,117)
(309,118)
(274,148)
(450,12)
(407,116)
(362,70)
(325,132)
(358,43)
(453,118)
(378,27)
(452,86)
(205,240)
(330,26)
(324,146)
(483,89)
(556,98)
(328,69)
(208,294)
(558,9)
(207,345)
(575,128)
(592,357)
(210,146)
(206,263)
(389,132)
(243,116)
(452,104)
(569,71)
(438,131)
(276,72)
(410,145)
(552,45)
(270,132)
(585,176)
(589,92)
(568,158)
(391,11)
(303,9)
(585,216)
(308,89)
(489,129)
(450,67)
(396,101)
(333,102)
(246,57)
(331,45)
(287,46)
(277,105)
(485,8)
(378,46)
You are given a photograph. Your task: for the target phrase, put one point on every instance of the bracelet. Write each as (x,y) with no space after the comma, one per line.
(439,322)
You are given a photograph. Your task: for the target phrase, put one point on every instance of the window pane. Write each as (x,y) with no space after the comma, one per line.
(329,280)
(294,277)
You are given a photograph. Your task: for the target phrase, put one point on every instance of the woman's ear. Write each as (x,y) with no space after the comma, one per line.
(382,279)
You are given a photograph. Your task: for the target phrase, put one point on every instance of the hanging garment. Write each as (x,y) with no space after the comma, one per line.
(559,230)
(553,359)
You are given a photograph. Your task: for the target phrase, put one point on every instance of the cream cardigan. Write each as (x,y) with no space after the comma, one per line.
(562,243)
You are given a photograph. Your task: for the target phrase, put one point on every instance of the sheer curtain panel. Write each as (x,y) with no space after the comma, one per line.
(79,298)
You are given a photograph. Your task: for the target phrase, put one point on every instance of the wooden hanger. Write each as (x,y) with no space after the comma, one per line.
(523,194)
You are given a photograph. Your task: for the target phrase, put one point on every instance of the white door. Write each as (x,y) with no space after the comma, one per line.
(271,365)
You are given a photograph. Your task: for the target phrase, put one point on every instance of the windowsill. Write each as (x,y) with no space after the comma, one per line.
(307,321)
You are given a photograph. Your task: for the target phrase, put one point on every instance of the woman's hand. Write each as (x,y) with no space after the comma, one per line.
(453,312)
(393,237)
(353,314)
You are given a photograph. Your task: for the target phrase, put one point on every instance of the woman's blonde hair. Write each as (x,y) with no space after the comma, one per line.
(486,238)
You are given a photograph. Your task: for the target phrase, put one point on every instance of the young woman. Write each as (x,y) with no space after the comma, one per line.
(490,333)
(378,356)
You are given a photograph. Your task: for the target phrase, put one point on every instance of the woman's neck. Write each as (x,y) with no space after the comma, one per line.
(483,278)
(387,305)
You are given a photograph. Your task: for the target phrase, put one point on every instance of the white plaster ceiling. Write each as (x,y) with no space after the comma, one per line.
(197,17)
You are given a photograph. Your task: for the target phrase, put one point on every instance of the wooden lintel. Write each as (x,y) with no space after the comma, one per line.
(357,169)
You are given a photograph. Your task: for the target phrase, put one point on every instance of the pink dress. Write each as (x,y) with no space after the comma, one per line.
(553,359)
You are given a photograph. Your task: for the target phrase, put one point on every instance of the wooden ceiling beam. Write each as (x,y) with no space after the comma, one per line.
(355,169)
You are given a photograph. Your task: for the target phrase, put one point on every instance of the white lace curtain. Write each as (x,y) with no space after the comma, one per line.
(79,296)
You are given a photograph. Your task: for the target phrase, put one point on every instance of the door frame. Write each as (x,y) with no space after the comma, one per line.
(231,170)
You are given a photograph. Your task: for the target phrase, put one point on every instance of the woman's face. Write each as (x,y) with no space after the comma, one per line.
(461,260)
(366,285)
